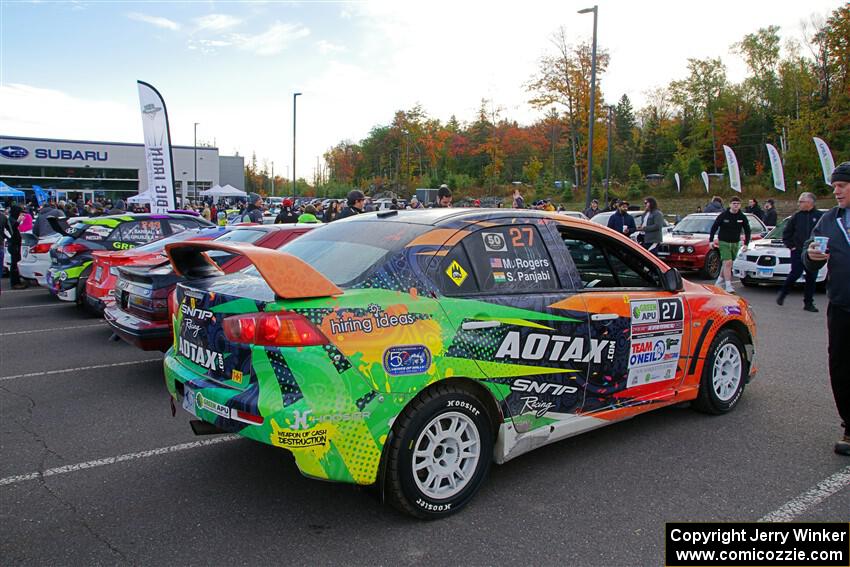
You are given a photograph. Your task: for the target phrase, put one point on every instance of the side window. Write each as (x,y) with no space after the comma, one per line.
(98,233)
(605,263)
(455,273)
(179,225)
(139,232)
(511,259)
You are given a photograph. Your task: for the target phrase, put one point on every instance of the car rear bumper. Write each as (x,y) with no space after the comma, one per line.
(143,334)
(337,446)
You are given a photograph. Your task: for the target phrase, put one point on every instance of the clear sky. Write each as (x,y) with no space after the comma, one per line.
(69,69)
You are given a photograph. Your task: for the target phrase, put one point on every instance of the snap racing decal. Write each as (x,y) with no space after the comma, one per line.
(657,327)
(536,404)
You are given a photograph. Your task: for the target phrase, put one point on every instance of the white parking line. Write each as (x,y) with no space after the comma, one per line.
(799,505)
(78,369)
(53,329)
(119,459)
(62,304)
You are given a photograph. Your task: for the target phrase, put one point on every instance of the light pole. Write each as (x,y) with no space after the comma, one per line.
(294,101)
(592,105)
(608,164)
(272,179)
(195,149)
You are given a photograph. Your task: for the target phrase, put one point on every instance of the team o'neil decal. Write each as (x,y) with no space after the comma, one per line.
(554,348)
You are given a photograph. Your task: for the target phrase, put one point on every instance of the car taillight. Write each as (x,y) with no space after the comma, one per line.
(282,328)
(71,249)
(42,248)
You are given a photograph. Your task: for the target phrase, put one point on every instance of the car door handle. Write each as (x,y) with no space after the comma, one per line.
(604,316)
(475,325)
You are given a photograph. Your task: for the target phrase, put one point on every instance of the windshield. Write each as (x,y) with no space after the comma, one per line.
(346,252)
(776,232)
(690,225)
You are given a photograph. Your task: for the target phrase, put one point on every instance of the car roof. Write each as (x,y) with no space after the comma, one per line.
(440,216)
(273,227)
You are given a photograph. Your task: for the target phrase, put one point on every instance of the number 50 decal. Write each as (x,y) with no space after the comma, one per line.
(517,234)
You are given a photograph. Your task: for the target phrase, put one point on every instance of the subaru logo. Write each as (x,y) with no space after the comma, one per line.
(14,152)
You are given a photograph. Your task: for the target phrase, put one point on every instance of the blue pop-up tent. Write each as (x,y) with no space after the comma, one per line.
(6,191)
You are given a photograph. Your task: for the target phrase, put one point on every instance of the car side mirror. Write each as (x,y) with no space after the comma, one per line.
(672,280)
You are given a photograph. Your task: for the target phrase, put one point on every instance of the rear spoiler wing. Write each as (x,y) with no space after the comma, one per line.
(288,276)
(60,225)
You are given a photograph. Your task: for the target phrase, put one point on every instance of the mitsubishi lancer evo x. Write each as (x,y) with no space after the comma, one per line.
(410,349)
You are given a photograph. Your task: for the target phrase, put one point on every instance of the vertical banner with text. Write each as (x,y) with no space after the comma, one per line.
(732,166)
(826,162)
(705,180)
(678,182)
(776,167)
(158,160)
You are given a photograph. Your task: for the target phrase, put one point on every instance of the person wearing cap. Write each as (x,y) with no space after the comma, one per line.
(621,221)
(354,201)
(254,212)
(593,209)
(286,215)
(476,203)
(444,197)
(830,245)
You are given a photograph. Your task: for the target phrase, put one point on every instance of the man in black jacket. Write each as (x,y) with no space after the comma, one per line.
(754,209)
(835,226)
(796,232)
(356,199)
(728,226)
(769,213)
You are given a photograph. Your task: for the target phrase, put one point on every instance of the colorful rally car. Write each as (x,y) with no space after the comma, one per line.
(71,255)
(409,349)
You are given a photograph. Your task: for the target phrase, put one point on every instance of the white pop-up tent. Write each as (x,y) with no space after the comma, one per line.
(226,191)
(141,198)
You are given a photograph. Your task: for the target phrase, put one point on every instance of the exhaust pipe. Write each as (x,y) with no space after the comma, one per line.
(203,428)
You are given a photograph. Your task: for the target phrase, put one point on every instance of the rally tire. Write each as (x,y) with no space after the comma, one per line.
(724,374)
(711,269)
(463,428)
(80,299)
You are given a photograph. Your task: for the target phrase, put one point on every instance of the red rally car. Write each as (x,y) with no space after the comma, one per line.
(688,248)
(140,314)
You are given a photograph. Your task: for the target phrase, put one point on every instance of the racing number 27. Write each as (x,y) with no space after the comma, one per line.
(517,240)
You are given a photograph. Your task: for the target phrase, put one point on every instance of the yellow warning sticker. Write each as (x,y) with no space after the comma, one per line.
(456,272)
(236,376)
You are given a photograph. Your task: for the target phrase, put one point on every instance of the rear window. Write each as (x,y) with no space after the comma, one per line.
(241,235)
(158,245)
(347,253)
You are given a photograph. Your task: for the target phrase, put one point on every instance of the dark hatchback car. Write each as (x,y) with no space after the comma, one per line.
(71,256)
(140,314)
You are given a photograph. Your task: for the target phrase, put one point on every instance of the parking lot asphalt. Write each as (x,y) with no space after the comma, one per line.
(95,470)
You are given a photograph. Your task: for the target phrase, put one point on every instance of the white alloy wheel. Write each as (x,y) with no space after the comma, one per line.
(726,374)
(446,455)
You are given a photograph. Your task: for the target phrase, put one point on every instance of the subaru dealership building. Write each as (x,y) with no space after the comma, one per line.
(88,169)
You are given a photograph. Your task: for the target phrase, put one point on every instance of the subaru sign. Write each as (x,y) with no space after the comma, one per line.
(14,152)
